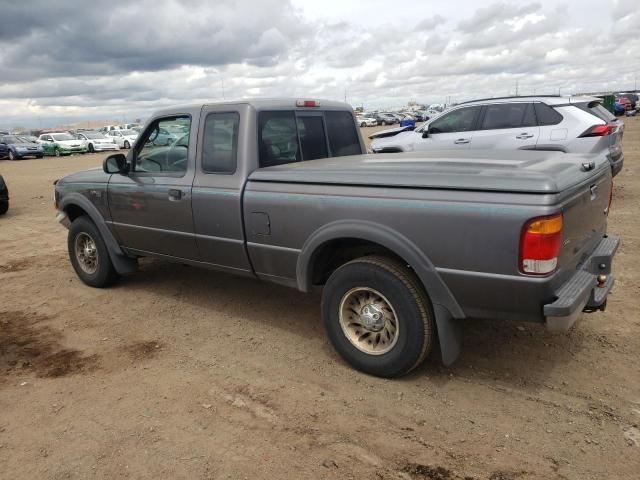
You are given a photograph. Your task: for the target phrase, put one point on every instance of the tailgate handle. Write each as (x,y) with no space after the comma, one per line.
(588,166)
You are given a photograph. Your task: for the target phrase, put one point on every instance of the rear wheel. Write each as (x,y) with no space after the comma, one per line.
(126,144)
(377,316)
(12,156)
(89,255)
(56,152)
(91,149)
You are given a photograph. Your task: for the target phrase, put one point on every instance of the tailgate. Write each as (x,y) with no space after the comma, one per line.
(584,212)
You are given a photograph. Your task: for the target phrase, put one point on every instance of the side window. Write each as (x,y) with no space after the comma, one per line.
(461,120)
(343,137)
(220,144)
(547,115)
(506,115)
(277,138)
(164,146)
(312,137)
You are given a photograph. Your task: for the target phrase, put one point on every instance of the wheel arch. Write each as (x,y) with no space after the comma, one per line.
(74,204)
(385,240)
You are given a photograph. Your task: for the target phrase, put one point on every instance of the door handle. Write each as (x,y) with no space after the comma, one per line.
(175,194)
(524,136)
(461,141)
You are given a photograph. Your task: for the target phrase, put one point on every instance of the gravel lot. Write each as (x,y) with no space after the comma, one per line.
(188,374)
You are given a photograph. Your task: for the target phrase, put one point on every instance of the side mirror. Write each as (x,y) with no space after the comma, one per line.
(425,133)
(116,163)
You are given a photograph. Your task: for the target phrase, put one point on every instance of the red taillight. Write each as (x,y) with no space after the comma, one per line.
(599,130)
(540,245)
(307,103)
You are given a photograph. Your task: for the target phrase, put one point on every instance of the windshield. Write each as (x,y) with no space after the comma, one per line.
(61,137)
(12,139)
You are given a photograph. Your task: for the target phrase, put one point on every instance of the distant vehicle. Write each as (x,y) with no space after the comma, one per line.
(123,138)
(618,108)
(28,138)
(384,118)
(567,124)
(4,132)
(4,196)
(59,143)
(632,97)
(625,102)
(14,148)
(128,126)
(108,128)
(366,121)
(96,142)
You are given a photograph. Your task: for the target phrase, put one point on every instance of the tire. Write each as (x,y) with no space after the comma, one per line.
(56,152)
(378,285)
(127,145)
(12,155)
(4,206)
(363,124)
(91,149)
(94,269)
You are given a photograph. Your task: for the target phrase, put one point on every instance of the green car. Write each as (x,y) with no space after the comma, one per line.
(61,144)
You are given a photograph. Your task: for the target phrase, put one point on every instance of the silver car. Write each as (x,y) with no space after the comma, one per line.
(97,142)
(567,124)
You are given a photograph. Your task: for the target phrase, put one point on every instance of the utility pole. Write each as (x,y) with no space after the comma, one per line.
(222,83)
(516,87)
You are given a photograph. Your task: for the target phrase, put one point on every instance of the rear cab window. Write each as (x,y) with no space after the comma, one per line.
(293,136)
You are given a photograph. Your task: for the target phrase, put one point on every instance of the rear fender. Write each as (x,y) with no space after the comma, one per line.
(448,314)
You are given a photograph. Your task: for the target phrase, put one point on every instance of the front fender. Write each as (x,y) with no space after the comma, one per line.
(437,290)
(123,264)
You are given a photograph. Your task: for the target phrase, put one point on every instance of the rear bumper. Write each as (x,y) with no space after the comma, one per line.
(582,291)
(616,165)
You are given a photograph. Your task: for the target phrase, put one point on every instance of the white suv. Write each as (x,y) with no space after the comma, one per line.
(567,124)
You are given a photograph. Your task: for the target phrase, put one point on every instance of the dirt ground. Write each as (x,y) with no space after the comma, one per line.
(182,373)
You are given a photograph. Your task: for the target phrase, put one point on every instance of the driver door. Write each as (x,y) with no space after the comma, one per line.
(452,131)
(151,205)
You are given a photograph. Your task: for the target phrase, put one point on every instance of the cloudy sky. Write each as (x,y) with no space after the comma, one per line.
(76,60)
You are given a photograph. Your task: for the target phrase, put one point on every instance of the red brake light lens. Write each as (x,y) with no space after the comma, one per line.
(540,245)
(307,103)
(599,130)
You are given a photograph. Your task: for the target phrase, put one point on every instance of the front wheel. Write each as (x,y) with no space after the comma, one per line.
(89,255)
(127,145)
(4,206)
(12,156)
(377,316)
(91,149)
(56,152)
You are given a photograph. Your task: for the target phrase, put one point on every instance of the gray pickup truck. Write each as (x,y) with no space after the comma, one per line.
(404,246)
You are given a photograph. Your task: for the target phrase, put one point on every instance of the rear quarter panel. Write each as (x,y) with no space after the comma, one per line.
(472,239)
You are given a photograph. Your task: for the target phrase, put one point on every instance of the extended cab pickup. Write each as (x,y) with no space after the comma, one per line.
(402,246)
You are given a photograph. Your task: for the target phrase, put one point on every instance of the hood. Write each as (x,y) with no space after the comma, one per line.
(95,175)
(485,170)
(70,143)
(25,144)
(390,132)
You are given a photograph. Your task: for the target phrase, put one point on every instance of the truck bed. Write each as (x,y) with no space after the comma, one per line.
(503,171)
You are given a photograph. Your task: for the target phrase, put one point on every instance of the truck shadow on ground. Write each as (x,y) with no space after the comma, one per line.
(521,354)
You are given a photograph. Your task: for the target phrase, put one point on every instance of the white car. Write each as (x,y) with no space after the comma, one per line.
(123,138)
(366,121)
(96,142)
(128,126)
